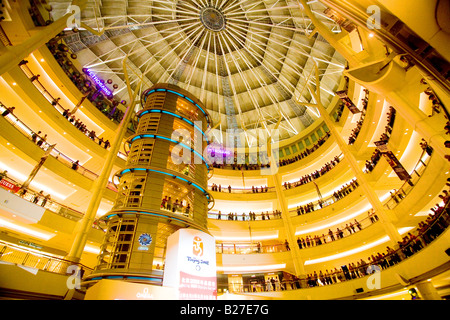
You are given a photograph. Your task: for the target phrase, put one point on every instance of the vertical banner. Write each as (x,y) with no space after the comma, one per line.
(392,160)
(347,101)
(190,265)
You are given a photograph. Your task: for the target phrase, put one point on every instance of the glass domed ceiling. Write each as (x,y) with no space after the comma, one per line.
(247,61)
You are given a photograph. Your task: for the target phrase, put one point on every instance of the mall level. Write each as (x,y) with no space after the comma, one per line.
(224,149)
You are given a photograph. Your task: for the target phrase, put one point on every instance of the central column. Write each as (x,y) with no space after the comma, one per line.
(161,189)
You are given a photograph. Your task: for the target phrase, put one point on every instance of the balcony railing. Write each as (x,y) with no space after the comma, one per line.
(22,256)
(414,242)
(25,130)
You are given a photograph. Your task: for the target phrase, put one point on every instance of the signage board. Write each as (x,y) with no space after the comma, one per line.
(190,265)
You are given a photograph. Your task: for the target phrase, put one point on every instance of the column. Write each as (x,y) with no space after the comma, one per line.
(427,291)
(98,188)
(162,188)
(386,217)
(290,232)
(330,36)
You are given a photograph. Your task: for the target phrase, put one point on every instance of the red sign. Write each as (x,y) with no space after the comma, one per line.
(197,288)
(9,186)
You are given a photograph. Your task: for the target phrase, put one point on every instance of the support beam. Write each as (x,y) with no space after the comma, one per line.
(10,56)
(386,218)
(101,182)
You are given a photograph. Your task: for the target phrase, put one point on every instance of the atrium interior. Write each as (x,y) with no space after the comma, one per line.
(281,149)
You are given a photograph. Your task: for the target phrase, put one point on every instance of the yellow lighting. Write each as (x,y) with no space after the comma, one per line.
(356,250)
(248,238)
(251,268)
(91,249)
(391,295)
(38,234)
(20,176)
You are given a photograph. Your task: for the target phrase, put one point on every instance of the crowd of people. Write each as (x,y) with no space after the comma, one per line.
(252,216)
(317,240)
(176,206)
(107,105)
(71,117)
(436,105)
(305,153)
(337,195)
(426,232)
(385,136)
(40,196)
(252,164)
(218,188)
(355,132)
(312,176)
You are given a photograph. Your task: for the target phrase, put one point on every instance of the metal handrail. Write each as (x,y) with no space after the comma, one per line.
(25,130)
(54,206)
(407,249)
(19,255)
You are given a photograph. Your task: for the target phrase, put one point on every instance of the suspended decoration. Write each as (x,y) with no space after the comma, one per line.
(115,86)
(109,81)
(63,47)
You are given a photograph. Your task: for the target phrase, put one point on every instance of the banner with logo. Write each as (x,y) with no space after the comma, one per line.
(347,101)
(190,265)
(392,160)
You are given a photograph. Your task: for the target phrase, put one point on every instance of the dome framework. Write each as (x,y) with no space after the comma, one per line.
(248,61)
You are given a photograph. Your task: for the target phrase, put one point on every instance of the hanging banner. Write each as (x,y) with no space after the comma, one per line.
(347,101)
(392,160)
(190,265)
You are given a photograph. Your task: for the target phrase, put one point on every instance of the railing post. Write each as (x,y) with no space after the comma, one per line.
(25,259)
